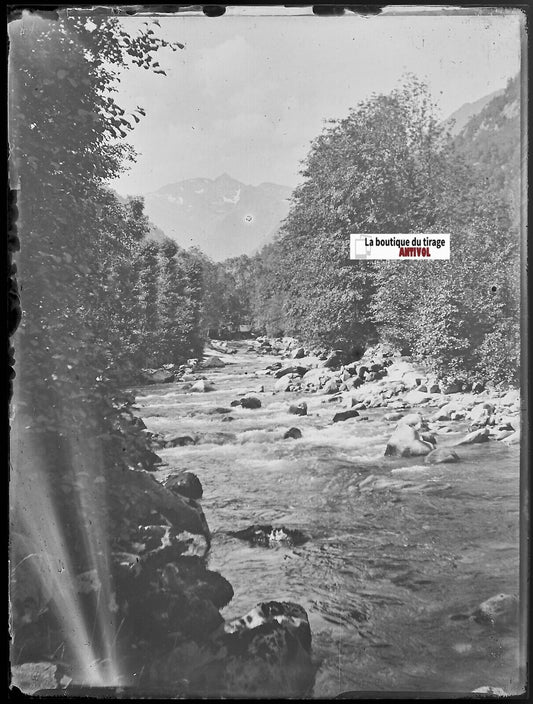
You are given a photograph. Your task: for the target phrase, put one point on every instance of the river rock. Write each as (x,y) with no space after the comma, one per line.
(411,379)
(345,415)
(513,439)
(441,455)
(179,441)
(499,610)
(274,611)
(452,386)
(186,484)
(294,433)
(355,403)
(330,387)
(267,535)
(415,397)
(315,376)
(299,409)
(393,416)
(298,353)
(415,420)
(158,376)
(480,413)
(478,387)
(333,360)
(406,442)
(511,398)
(213,363)
(218,410)
(284,383)
(251,402)
(481,435)
(298,371)
(202,386)
(272,659)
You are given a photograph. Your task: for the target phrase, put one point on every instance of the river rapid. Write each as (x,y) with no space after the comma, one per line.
(393,565)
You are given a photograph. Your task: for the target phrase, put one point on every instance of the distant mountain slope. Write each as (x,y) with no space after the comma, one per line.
(222,216)
(491,142)
(457,120)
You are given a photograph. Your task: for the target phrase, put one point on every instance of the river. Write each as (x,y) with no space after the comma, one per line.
(391,568)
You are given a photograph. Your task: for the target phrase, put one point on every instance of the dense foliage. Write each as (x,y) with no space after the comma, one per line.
(99,300)
(391,167)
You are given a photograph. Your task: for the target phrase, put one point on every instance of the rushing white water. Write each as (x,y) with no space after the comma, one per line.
(391,567)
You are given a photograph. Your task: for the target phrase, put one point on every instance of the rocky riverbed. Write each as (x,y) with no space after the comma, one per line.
(384,502)
(314,526)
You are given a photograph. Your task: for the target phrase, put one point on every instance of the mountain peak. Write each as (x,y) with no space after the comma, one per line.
(222,216)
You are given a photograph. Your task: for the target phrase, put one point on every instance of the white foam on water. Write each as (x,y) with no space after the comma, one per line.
(415,469)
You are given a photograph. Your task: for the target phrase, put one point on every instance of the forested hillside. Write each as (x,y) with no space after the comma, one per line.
(391,167)
(490,143)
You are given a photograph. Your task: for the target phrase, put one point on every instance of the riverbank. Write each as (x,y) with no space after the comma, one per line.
(397,550)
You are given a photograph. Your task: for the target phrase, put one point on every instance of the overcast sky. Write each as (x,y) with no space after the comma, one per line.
(248,94)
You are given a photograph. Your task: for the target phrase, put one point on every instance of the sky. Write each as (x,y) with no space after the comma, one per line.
(248,93)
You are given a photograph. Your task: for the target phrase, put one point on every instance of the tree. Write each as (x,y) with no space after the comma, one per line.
(72,419)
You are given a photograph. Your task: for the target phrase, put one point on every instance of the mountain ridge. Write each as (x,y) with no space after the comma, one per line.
(222,216)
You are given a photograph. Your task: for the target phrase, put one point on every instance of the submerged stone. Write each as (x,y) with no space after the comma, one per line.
(441,455)
(267,535)
(499,610)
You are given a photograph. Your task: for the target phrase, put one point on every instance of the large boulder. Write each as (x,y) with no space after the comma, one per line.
(185,484)
(406,442)
(266,653)
(284,383)
(415,420)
